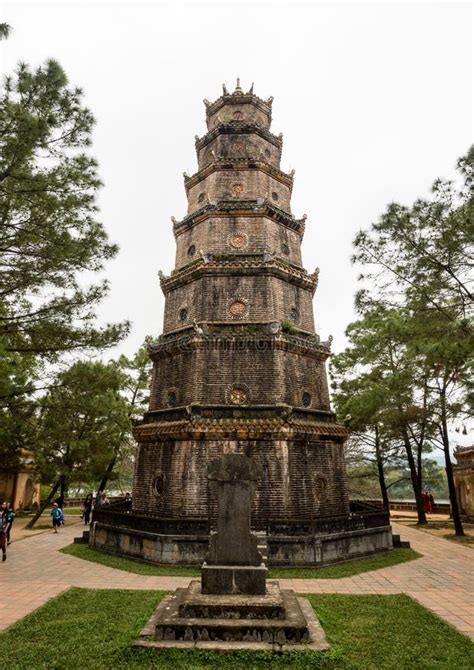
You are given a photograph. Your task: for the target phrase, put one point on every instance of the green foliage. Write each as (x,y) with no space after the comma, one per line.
(49,233)
(363,480)
(5,30)
(50,243)
(288,327)
(83,421)
(407,372)
(425,251)
(85,628)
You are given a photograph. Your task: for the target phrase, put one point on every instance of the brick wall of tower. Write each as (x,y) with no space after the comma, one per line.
(214,236)
(243,145)
(268,299)
(238,111)
(268,375)
(302,479)
(238,185)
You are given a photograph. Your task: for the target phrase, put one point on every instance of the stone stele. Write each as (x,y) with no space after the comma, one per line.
(233,607)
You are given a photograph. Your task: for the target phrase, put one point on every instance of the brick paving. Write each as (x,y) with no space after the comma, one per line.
(442,580)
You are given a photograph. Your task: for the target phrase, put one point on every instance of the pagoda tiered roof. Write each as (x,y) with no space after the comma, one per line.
(257,207)
(242,264)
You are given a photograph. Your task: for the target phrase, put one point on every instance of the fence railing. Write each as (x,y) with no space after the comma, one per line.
(120,514)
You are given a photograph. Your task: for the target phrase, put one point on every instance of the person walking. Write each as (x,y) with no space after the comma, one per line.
(3,530)
(431,501)
(426,502)
(10,518)
(56,516)
(87,509)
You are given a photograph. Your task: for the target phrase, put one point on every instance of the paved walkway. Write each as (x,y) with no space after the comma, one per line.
(442,580)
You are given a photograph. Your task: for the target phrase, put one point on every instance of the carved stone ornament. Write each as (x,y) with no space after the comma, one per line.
(320,486)
(238,307)
(238,240)
(172,398)
(238,395)
(238,147)
(158,485)
(237,189)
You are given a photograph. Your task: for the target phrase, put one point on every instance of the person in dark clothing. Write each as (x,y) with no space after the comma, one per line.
(10,519)
(3,530)
(432,502)
(87,509)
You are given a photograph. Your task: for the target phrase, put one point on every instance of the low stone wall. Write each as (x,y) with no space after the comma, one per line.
(330,548)
(146,546)
(282,550)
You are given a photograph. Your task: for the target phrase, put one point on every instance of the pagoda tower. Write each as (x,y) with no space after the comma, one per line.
(239,366)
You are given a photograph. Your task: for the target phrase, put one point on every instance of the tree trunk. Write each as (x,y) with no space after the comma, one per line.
(458,528)
(381,474)
(415,481)
(42,507)
(62,490)
(107,474)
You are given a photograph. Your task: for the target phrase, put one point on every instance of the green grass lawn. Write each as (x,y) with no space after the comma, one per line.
(348,569)
(93,629)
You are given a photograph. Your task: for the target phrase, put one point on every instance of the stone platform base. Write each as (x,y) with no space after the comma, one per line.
(218,579)
(283,550)
(277,621)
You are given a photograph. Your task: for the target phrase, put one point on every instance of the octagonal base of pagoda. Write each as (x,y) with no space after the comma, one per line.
(162,542)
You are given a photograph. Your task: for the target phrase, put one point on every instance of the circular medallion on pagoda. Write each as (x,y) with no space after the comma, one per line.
(201,197)
(237,189)
(238,308)
(238,240)
(158,485)
(238,395)
(294,313)
(274,195)
(320,487)
(237,115)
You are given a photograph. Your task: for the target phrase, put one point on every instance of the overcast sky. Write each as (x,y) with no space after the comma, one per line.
(374,101)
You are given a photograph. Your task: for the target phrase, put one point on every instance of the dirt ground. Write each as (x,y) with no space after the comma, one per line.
(439,525)
(43,525)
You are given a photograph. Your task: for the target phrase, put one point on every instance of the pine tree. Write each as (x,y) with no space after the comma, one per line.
(49,233)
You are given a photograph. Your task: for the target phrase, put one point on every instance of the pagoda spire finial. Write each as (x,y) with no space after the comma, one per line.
(238,89)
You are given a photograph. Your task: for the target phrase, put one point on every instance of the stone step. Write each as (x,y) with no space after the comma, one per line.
(82,539)
(398,543)
(286,624)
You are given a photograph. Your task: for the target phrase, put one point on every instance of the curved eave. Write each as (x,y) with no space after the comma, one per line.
(239,128)
(196,427)
(240,99)
(239,165)
(174,343)
(248,208)
(235,265)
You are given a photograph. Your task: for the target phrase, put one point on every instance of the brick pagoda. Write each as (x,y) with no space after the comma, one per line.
(239,367)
